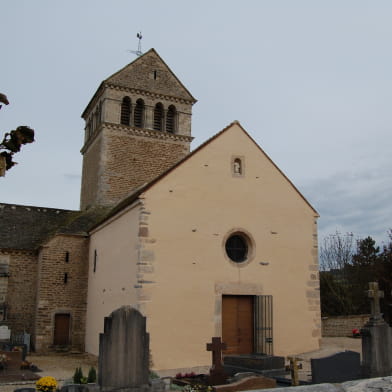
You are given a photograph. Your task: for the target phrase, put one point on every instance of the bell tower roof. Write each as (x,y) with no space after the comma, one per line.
(158,77)
(149,75)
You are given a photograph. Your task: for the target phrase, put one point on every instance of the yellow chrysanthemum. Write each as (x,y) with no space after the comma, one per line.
(46,384)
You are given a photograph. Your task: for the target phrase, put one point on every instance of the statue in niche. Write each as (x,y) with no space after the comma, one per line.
(237,166)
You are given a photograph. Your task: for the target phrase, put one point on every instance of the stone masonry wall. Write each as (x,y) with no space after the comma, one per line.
(313,285)
(21,290)
(90,174)
(55,295)
(132,160)
(342,325)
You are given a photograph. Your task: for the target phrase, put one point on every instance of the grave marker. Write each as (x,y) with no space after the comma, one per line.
(339,367)
(375,294)
(217,374)
(74,388)
(376,339)
(5,333)
(26,389)
(294,370)
(123,363)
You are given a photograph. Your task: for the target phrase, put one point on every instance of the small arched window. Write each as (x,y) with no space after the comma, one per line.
(158,117)
(126,111)
(139,113)
(171,119)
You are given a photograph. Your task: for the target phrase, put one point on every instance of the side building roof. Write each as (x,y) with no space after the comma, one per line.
(28,227)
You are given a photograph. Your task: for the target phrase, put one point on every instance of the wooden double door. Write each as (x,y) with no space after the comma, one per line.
(238,324)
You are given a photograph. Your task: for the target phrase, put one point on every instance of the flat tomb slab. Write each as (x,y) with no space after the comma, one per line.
(247,384)
(255,361)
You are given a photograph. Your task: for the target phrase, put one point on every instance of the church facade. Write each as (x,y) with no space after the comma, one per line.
(214,242)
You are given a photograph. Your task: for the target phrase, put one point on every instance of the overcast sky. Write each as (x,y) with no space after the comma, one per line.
(311,81)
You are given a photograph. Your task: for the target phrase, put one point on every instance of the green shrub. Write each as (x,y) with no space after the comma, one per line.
(153,375)
(92,375)
(78,376)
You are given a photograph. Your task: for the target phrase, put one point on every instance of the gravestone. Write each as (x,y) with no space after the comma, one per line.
(340,367)
(5,333)
(217,374)
(123,363)
(25,390)
(376,339)
(74,388)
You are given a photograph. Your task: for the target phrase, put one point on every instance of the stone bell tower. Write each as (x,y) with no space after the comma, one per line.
(138,124)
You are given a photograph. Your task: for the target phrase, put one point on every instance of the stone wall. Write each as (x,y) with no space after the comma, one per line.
(313,285)
(127,159)
(133,160)
(62,289)
(342,325)
(21,290)
(91,173)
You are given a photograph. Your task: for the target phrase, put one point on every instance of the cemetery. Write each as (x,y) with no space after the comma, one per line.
(124,364)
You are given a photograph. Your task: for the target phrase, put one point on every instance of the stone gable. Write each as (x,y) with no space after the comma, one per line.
(150,73)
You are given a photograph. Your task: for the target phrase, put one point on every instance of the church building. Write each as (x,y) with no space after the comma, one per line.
(213,242)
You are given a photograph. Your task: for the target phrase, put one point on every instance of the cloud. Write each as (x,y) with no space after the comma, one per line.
(353,202)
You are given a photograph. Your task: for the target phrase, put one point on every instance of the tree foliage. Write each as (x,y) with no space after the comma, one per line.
(13,140)
(347,267)
(336,254)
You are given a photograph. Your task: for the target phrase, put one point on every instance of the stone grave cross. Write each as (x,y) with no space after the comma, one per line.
(376,339)
(217,375)
(375,295)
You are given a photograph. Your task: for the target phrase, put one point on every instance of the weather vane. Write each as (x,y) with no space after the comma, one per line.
(138,52)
